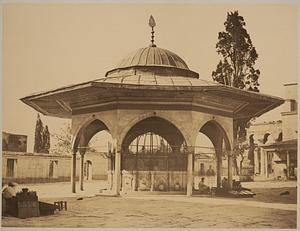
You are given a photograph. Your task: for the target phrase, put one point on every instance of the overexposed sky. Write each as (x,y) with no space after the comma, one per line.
(46,46)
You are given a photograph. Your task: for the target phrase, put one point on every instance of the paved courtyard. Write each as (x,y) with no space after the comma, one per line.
(166,211)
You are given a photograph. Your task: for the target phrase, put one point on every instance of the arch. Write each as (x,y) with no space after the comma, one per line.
(216,133)
(279,138)
(157,125)
(266,137)
(251,140)
(87,131)
(88,172)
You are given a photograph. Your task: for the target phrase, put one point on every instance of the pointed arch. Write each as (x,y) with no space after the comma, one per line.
(216,133)
(87,131)
(157,125)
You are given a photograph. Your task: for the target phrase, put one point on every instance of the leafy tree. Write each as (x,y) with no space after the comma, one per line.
(62,141)
(38,137)
(236,68)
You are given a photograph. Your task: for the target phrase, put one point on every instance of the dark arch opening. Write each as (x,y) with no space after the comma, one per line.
(266,136)
(279,138)
(220,142)
(160,168)
(158,126)
(87,132)
(216,134)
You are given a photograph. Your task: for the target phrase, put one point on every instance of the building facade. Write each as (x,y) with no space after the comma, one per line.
(275,155)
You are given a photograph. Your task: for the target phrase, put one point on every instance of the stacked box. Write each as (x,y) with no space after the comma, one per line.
(27,204)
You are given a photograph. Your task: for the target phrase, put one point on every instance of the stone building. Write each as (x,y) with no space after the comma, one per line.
(275,155)
(14,142)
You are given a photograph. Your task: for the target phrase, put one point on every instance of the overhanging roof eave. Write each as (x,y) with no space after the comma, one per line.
(219,87)
(57,91)
(233,93)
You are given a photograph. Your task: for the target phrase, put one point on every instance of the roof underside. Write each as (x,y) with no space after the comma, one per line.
(151,92)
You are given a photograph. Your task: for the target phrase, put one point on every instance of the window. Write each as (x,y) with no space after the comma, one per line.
(52,168)
(293,105)
(10,170)
(202,170)
(266,136)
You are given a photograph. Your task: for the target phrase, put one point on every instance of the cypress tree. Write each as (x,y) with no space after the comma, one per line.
(236,68)
(38,137)
(46,140)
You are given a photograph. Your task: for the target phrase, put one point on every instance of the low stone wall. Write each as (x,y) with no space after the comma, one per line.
(32,180)
(25,168)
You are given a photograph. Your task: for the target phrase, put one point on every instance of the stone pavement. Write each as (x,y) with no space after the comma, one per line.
(161,211)
(269,184)
(91,188)
(220,201)
(63,189)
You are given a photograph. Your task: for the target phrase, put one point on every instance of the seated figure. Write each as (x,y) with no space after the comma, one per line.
(236,185)
(203,189)
(9,191)
(7,194)
(225,184)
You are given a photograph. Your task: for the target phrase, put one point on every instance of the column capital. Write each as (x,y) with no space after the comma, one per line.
(82,151)
(190,149)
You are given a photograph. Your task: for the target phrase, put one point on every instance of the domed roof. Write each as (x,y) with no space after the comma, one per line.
(153,56)
(152,59)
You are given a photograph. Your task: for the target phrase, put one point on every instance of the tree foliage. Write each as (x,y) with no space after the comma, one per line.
(41,137)
(38,136)
(46,140)
(63,140)
(236,68)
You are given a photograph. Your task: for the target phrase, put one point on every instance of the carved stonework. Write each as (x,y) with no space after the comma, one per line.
(161,181)
(110,179)
(127,181)
(144,181)
(178,181)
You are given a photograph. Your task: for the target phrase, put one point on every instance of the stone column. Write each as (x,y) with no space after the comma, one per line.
(73,173)
(189,188)
(152,181)
(230,169)
(262,162)
(117,173)
(219,169)
(266,163)
(81,175)
(287,164)
(256,161)
(219,153)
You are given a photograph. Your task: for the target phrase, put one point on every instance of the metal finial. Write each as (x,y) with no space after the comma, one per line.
(152,24)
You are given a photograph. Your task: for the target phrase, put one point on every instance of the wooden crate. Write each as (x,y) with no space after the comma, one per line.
(28,209)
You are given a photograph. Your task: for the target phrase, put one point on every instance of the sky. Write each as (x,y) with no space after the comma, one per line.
(47,46)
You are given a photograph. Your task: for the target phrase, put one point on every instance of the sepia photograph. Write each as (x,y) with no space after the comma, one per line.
(157,115)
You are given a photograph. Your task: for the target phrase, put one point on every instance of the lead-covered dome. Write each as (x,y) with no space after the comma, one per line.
(153,56)
(154,60)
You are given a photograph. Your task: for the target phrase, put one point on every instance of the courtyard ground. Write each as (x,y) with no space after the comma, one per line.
(267,210)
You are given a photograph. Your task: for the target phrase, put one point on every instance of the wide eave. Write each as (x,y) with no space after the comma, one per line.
(282,145)
(151,92)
